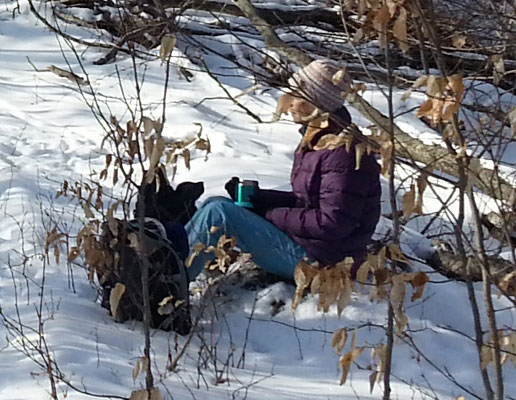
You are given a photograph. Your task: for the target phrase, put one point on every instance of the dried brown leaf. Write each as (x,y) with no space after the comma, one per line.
(498,68)
(73,254)
(408,201)
(392,6)
(339,76)
(134,243)
(358,36)
(386,153)
(399,30)
(363,272)
(359,151)
(168,42)
(372,380)
(283,106)
(148,126)
(136,370)
(419,82)
(459,41)
(396,254)
(346,360)
(397,298)
(422,183)
(87,210)
(157,152)
(347,4)
(362,7)
(486,356)
(381,258)
(166,305)
(511,115)
(344,295)
(114,299)
(508,284)
(143,394)
(380,352)
(315,286)
(186,158)
(508,345)
(418,282)
(339,339)
(381,21)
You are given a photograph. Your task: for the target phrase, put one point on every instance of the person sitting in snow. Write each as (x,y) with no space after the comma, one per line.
(333,208)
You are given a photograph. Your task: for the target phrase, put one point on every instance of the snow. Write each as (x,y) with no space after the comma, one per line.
(48,134)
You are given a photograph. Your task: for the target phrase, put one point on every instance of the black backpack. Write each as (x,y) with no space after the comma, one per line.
(167,283)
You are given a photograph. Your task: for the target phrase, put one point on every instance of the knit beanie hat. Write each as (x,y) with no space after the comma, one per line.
(316,83)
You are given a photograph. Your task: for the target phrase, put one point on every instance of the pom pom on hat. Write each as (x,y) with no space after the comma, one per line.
(316,83)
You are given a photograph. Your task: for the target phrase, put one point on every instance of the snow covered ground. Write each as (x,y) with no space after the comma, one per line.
(252,349)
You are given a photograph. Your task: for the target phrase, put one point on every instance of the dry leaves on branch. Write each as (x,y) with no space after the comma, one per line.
(507,346)
(54,240)
(304,274)
(349,358)
(184,148)
(332,283)
(444,97)
(412,201)
(380,18)
(141,366)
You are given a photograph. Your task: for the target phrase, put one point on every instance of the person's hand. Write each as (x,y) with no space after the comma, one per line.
(231,187)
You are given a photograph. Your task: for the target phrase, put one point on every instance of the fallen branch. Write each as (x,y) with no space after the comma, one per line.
(446,262)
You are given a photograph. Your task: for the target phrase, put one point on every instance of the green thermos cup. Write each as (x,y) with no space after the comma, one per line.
(245,189)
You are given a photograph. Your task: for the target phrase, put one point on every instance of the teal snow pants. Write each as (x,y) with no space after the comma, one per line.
(270,248)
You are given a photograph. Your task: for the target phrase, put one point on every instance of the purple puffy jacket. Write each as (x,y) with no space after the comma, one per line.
(334,208)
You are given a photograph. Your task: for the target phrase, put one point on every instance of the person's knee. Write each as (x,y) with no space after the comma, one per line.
(215,205)
(213,200)
(213,212)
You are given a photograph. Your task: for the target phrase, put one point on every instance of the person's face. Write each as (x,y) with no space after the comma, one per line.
(298,107)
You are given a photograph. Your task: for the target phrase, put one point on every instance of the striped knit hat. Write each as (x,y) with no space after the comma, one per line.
(314,82)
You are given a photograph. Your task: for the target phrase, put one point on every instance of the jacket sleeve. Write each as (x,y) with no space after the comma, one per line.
(340,205)
(267,199)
